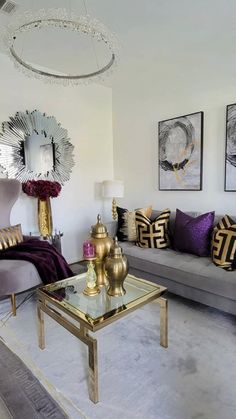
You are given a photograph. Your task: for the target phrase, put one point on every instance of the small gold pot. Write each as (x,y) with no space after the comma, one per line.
(102,243)
(45,217)
(116,268)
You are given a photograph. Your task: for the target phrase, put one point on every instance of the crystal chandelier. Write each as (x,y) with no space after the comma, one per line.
(61,19)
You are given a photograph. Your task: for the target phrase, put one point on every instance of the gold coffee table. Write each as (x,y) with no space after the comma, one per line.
(65,302)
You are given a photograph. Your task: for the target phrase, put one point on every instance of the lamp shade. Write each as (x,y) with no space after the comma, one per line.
(113,189)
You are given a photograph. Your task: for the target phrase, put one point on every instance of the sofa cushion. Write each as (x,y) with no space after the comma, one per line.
(153,233)
(126,230)
(193,234)
(223,246)
(183,268)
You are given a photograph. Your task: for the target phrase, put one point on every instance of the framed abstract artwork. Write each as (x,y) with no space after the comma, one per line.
(180,153)
(230,149)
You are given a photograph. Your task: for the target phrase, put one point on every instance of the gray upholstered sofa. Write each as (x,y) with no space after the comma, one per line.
(189,276)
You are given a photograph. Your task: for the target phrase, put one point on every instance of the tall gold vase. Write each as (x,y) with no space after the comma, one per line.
(116,267)
(45,217)
(102,243)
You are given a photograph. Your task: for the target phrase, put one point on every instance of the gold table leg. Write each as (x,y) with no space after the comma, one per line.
(13,304)
(163,321)
(41,332)
(93,369)
(82,334)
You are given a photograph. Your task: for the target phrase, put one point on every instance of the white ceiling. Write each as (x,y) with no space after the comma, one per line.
(187,35)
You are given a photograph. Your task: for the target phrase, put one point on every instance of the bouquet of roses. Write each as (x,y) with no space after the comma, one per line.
(41,189)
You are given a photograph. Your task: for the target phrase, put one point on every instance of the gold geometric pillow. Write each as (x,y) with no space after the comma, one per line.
(223,245)
(10,236)
(155,233)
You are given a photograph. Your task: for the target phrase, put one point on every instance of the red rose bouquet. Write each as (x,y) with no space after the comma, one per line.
(41,189)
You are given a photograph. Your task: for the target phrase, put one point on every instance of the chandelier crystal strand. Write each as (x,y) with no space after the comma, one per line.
(61,19)
(91,38)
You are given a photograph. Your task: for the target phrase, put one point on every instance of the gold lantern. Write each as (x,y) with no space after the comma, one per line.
(102,243)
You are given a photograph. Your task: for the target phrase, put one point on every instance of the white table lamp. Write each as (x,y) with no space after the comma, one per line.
(113,189)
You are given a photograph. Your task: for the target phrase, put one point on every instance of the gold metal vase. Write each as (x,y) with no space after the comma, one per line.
(116,268)
(102,243)
(45,217)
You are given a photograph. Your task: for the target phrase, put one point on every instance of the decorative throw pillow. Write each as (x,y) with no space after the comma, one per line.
(153,233)
(126,230)
(223,245)
(193,234)
(10,236)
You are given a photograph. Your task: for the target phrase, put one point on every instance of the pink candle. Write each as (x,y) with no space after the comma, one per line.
(88,250)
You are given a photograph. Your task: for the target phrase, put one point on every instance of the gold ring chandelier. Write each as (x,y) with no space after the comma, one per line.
(61,19)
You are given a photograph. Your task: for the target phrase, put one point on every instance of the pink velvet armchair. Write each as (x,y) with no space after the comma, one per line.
(15,275)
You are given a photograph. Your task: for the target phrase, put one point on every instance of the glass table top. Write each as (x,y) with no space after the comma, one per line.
(69,294)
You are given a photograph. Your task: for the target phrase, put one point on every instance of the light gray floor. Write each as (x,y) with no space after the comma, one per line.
(195,378)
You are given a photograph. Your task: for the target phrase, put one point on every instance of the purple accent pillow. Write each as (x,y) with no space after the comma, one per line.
(193,235)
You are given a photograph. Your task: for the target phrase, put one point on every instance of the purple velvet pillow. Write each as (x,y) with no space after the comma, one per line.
(193,235)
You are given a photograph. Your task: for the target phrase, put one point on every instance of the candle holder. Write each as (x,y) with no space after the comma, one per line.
(91,278)
(88,250)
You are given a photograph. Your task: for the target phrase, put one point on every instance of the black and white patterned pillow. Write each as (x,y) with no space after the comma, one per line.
(153,233)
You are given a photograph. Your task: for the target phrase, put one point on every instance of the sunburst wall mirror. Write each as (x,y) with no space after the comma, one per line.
(35,146)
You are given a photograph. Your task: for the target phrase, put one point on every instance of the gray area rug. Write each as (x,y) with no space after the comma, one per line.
(138,379)
(21,394)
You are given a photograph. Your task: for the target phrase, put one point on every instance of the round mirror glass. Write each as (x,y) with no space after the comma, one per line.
(39,153)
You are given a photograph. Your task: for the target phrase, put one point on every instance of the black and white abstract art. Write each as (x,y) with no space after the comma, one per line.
(180,153)
(230,151)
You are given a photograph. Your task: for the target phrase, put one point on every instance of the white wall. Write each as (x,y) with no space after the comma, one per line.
(86,112)
(176,59)
(157,92)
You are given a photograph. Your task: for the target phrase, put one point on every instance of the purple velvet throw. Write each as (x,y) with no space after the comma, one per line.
(193,235)
(49,263)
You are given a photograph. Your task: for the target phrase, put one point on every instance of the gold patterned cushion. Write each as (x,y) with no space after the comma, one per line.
(223,245)
(153,233)
(126,223)
(10,236)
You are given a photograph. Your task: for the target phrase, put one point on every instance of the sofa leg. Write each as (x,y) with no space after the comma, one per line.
(13,304)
